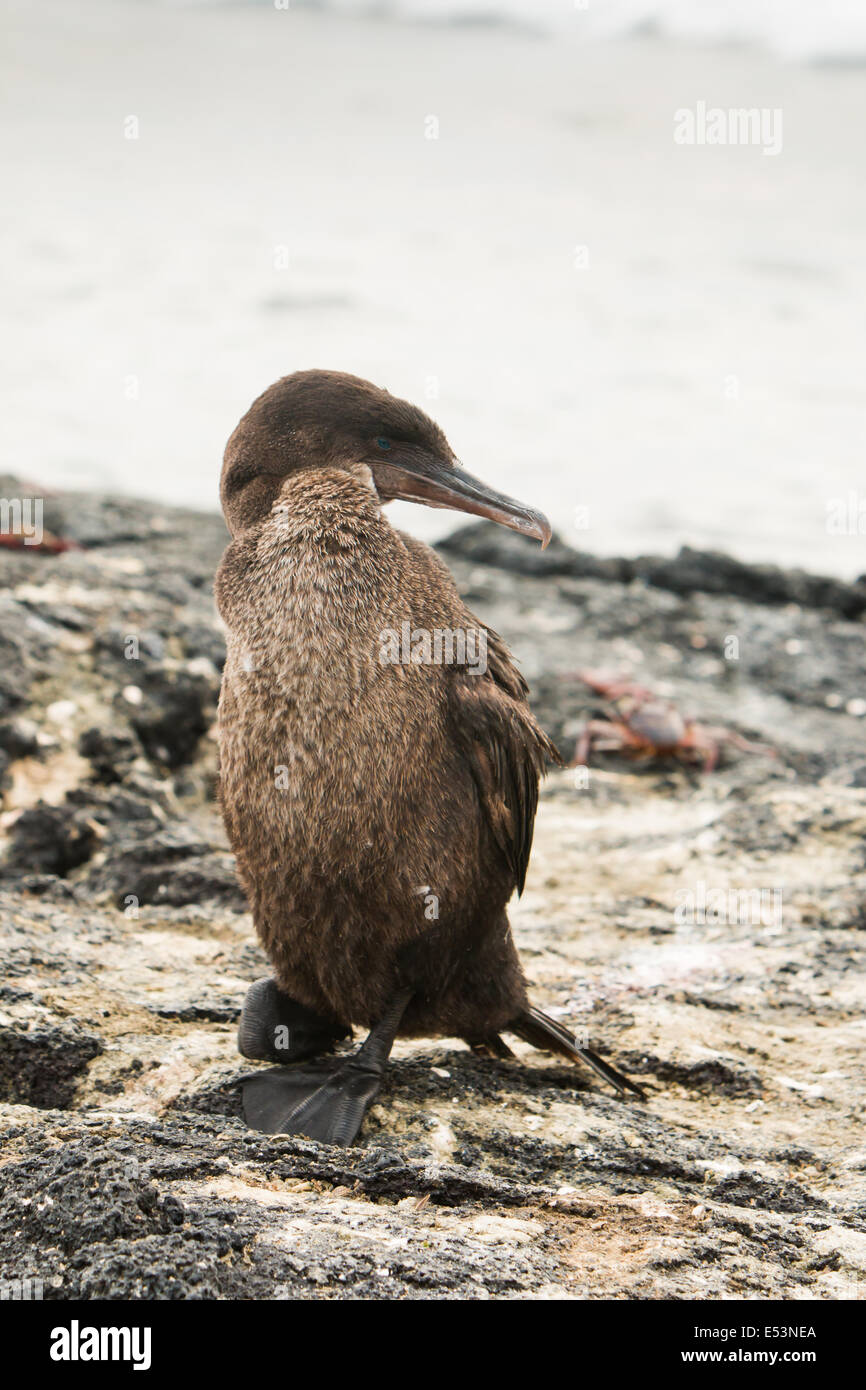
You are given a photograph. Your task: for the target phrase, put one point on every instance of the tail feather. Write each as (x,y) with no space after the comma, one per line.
(491,1046)
(545,1033)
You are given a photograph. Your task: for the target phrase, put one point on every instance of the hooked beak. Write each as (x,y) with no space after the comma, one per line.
(413,475)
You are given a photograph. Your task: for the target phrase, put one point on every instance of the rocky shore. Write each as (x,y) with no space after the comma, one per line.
(126,1168)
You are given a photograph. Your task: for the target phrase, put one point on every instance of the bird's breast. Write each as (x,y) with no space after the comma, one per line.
(317,718)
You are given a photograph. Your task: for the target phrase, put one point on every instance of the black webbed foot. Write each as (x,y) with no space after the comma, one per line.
(275,1028)
(328,1099)
(325,1101)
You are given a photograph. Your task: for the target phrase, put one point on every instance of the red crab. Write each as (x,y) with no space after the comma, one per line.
(643,725)
(48,545)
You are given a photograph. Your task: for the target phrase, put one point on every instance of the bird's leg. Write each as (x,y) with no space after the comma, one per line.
(597,733)
(275,1028)
(326,1100)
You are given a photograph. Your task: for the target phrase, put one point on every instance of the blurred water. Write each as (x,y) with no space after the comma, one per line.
(695,374)
(832,31)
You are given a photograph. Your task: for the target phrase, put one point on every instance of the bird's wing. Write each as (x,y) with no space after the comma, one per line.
(505,747)
(492,725)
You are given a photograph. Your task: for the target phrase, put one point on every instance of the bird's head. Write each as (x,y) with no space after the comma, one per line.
(329,419)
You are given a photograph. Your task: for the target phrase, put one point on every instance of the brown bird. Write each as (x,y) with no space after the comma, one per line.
(380,801)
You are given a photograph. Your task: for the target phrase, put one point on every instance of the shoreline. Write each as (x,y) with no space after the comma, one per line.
(663,338)
(80,518)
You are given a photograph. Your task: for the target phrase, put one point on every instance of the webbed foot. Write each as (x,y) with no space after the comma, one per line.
(324,1102)
(327,1100)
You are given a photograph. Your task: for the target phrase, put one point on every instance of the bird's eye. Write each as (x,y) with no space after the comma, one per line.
(383,443)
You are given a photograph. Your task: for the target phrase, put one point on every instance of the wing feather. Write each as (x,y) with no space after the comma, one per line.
(506,750)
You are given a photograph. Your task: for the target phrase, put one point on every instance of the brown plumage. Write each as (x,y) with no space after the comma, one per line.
(381,810)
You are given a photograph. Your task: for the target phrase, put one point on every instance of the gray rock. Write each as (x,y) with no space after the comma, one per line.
(40,1065)
(125,952)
